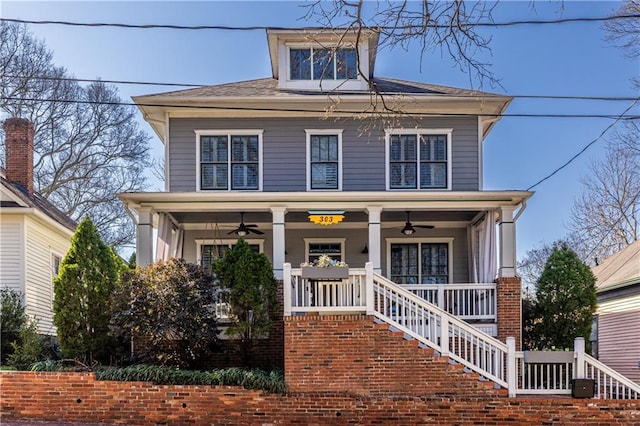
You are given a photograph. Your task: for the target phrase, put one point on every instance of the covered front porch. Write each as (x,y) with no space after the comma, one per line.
(455,237)
(445,247)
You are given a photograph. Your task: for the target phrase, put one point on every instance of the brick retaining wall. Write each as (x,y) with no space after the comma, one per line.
(351,353)
(78,397)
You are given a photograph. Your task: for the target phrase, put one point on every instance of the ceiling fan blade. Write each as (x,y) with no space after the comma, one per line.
(232,232)
(255,231)
(251,226)
(424,226)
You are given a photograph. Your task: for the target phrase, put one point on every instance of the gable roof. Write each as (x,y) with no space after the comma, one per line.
(619,270)
(35,200)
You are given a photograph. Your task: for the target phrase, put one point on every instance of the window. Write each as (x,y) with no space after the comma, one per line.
(56,260)
(229,161)
(418,160)
(316,247)
(324,159)
(209,250)
(419,262)
(322,64)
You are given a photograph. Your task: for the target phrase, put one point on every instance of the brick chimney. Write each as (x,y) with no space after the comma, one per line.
(19,152)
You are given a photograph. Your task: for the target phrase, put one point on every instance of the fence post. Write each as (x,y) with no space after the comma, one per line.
(578,350)
(444,335)
(512,371)
(368,286)
(286,288)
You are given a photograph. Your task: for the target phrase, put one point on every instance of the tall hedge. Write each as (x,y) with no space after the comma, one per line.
(88,275)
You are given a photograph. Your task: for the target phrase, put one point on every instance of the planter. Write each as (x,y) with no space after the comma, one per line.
(332,273)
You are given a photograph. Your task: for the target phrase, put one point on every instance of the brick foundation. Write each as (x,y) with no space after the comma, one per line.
(510,309)
(78,397)
(351,353)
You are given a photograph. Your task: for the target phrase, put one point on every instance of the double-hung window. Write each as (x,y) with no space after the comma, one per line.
(322,64)
(229,160)
(419,262)
(210,250)
(419,159)
(324,158)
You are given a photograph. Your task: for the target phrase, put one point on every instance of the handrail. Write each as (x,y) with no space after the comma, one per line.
(609,384)
(428,324)
(519,372)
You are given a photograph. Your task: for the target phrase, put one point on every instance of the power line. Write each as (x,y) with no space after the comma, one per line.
(259,27)
(616,117)
(148,83)
(613,123)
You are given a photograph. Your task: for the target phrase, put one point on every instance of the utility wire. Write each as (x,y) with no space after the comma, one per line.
(148,83)
(616,117)
(254,28)
(587,146)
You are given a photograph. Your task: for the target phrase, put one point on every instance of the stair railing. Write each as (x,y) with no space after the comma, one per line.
(436,328)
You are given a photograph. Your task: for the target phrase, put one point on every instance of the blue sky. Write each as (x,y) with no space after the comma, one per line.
(568,59)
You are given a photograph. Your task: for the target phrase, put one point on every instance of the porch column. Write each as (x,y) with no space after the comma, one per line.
(507,227)
(374,237)
(278,240)
(144,237)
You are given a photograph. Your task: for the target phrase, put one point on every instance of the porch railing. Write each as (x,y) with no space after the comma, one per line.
(553,372)
(549,373)
(469,302)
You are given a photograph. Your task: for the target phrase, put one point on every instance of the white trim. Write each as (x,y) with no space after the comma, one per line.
(230,242)
(417,240)
(229,133)
(312,132)
(480,155)
(167,159)
(341,241)
(431,132)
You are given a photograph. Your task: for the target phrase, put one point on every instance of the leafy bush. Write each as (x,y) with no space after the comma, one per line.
(169,309)
(12,320)
(249,379)
(248,276)
(30,347)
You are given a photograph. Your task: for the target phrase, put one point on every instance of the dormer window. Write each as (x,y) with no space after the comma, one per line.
(322,64)
(323,60)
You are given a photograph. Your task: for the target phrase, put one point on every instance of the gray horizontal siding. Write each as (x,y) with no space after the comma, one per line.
(284,151)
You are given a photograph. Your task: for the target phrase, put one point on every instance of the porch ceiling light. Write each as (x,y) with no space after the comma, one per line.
(408,229)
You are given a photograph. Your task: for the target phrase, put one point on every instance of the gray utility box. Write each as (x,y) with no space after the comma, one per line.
(583,388)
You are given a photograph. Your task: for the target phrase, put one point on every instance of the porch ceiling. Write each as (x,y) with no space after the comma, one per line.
(351,216)
(391,203)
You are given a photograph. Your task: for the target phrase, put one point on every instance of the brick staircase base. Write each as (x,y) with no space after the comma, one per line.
(355,355)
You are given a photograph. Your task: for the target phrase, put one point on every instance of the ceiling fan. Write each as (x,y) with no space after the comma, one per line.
(409,228)
(242,229)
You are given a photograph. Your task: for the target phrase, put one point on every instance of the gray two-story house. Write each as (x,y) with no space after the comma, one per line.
(325,157)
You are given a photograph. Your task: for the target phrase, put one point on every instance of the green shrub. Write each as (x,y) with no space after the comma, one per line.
(30,347)
(248,277)
(88,275)
(170,308)
(12,320)
(272,381)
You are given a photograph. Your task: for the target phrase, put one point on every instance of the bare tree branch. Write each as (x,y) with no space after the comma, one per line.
(84,154)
